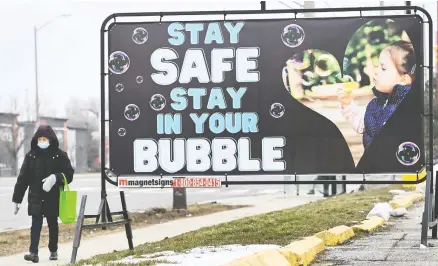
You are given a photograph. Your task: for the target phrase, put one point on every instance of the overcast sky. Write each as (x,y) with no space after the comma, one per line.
(68,48)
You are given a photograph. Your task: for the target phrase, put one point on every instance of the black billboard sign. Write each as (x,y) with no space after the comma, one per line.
(314,96)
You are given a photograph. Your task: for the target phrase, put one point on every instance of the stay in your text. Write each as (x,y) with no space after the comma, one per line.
(200,155)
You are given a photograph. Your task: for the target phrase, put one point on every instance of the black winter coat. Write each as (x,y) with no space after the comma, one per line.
(37,165)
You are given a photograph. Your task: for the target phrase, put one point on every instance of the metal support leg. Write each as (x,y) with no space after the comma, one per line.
(99,211)
(108,212)
(287,188)
(128,227)
(435,209)
(344,186)
(298,186)
(426,213)
(78,232)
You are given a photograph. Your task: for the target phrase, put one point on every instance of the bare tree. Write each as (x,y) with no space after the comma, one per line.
(15,145)
(12,138)
(84,111)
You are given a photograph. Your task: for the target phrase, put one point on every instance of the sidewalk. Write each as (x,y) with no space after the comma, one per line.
(118,241)
(398,245)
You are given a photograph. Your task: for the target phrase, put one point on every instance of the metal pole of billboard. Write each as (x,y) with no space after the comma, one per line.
(298,186)
(428,219)
(425,218)
(435,213)
(104,213)
(179,198)
(435,208)
(408,11)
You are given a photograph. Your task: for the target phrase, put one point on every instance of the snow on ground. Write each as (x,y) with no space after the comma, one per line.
(201,256)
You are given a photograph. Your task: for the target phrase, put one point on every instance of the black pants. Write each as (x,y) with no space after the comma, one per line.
(35,233)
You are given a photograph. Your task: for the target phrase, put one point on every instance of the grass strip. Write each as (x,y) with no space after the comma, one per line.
(279,227)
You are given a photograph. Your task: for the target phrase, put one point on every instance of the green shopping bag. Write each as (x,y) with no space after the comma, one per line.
(67,203)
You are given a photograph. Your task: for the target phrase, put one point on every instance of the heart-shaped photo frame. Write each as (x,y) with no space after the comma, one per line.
(360,94)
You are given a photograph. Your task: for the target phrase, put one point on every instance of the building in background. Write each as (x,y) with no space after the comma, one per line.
(15,138)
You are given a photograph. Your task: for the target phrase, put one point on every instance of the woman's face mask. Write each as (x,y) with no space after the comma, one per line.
(43,142)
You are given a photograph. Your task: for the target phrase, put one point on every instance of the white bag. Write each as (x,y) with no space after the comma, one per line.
(382,210)
(399,212)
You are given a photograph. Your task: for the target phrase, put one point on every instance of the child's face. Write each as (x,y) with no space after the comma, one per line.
(386,75)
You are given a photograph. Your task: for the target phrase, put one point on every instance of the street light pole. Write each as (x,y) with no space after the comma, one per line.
(35,31)
(37,103)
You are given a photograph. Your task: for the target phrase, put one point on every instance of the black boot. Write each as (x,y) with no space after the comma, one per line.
(32,257)
(53,256)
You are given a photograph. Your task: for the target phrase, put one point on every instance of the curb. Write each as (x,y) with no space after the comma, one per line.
(264,257)
(336,235)
(370,225)
(303,252)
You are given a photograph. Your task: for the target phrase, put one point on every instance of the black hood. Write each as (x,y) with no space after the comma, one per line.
(45,131)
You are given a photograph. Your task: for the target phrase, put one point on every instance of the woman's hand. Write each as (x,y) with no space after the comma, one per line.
(49,182)
(16,208)
(344,97)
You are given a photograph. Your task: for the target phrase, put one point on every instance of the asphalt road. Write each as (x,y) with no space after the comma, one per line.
(140,199)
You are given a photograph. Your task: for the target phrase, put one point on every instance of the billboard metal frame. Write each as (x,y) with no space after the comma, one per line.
(111,20)
(104,213)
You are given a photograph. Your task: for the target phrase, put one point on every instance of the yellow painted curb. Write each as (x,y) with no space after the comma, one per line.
(401,202)
(265,257)
(336,235)
(370,225)
(303,252)
(417,197)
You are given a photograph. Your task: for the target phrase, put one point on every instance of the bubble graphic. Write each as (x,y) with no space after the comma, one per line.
(140,35)
(277,110)
(132,112)
(308,78)
(408,153)
(157,102)
(293,35)
(118,62)
(119,87)
(122,132)
(139,79)
(325,65)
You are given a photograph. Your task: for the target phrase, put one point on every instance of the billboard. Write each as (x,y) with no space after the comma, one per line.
(264,97)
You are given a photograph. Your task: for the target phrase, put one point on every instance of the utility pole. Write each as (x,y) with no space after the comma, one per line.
(35,36)
(37,102)
(309,5)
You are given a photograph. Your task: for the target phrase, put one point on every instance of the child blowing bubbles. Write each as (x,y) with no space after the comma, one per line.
(393,79)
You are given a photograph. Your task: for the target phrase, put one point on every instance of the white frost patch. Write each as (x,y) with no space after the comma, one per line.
(201,256)
(397,192)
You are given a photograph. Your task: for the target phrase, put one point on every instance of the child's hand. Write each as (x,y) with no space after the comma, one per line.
(344,97)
